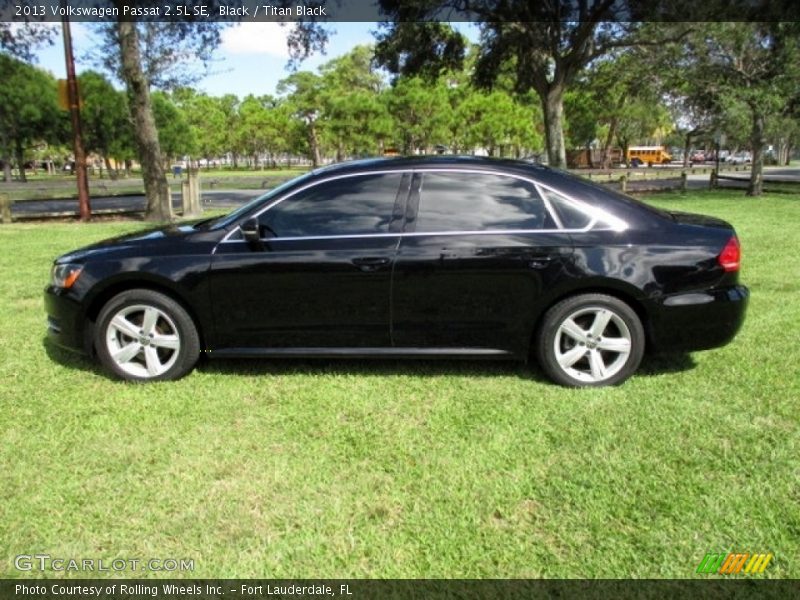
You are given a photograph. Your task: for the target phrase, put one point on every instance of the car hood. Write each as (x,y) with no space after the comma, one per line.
(149,241)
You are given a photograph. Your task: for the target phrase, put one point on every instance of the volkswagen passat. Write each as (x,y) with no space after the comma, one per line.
(413,257)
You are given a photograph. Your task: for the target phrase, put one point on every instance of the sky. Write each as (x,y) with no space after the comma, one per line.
(252,58)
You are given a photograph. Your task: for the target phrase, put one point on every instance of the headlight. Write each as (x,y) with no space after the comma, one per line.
(65,275)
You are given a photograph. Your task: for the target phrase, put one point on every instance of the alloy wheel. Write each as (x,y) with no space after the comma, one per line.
(592,344)
(143,341)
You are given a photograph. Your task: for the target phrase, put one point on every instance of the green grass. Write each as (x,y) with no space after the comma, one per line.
(408,469)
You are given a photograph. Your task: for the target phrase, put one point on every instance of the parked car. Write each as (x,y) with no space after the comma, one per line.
(698,157)
(739,158)
(409,257)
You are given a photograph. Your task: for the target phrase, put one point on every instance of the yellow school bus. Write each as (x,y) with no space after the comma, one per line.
(648,155)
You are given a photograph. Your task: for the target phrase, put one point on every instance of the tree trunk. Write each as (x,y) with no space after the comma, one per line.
(686,147)
(553,105)
(7,175)
(112,172)
(313,142)
(159,202)
(19,151)
(757,141)
(605,163)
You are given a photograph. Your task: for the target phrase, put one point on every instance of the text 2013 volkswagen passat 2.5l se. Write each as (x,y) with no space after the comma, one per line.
(409,257)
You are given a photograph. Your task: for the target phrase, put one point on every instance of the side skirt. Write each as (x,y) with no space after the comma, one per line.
(360,353)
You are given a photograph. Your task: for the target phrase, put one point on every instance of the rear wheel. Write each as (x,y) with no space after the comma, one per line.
(143,335)
(590,340)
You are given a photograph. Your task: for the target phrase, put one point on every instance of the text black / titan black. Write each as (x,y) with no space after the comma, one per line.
(424,256)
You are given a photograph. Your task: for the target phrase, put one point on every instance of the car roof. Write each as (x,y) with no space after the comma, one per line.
(414,162)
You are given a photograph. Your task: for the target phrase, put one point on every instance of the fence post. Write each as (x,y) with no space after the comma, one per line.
(684,179)
(623,182)
(5,208)
(197,208)
(191,194)
(186,200)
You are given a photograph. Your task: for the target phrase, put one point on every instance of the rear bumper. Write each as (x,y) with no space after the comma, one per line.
(698,320)
(65,321)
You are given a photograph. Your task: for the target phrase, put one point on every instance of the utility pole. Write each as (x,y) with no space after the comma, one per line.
(75,114)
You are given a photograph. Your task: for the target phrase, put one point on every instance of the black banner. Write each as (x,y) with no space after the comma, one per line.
(100,11)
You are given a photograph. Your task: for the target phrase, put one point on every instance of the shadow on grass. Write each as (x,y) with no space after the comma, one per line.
(660,364)
(71,360)
(651,365)
(372,367)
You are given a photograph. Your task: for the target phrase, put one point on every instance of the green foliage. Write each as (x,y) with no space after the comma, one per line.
(175,135)
(496,122)
(207,121)
(421,114)
(581,110)
(30,112)
(106,125)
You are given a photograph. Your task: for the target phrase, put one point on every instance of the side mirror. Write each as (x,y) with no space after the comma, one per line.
(250,230)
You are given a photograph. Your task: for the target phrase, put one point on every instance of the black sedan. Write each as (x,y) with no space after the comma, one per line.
(410,257)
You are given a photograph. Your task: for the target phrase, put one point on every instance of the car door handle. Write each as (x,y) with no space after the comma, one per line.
(371,263)
(539,262)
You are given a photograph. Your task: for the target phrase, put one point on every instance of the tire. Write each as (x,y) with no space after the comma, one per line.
(142,335)
(590,340)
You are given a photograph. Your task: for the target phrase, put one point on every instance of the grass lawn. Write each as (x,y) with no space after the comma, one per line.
(408,469)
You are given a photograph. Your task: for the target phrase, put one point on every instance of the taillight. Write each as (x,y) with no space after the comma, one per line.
(731,255)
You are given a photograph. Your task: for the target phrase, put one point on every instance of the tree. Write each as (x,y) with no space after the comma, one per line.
(106,124)
(30,112)
(548,44)
(303,91)
(356,120)
(495,122)
(159,199)
(207,120)
(264,127)
(752,65)
(22,39)
(175,135)
(155,54)
(421,113)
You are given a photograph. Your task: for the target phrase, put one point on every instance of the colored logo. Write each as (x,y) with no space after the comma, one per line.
(734,563)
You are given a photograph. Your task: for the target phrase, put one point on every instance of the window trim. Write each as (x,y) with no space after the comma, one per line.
(595,214)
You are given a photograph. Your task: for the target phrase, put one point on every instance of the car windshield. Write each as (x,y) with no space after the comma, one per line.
(226,220)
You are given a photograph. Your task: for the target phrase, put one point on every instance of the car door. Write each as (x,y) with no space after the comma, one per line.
(321,276)
(478,251)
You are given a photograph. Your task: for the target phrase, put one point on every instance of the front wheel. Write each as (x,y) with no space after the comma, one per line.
(590,340)
(143,335)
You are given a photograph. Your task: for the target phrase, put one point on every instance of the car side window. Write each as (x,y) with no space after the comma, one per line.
(570,215)
(479,202)
(361,204)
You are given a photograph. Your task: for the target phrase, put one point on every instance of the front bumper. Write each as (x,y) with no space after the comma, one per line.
(66,325)
(699,320)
